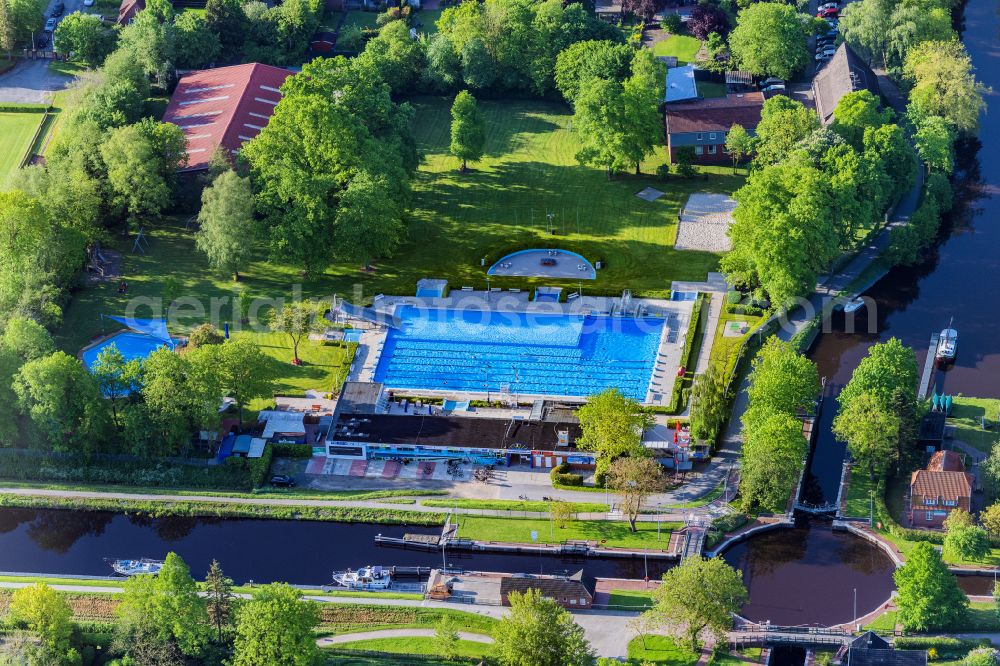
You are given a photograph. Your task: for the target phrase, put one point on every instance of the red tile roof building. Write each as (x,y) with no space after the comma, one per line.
(704,123)
(940,489)
(225,106)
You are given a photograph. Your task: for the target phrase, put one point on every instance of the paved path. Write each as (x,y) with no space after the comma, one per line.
(31,82)
(397,633)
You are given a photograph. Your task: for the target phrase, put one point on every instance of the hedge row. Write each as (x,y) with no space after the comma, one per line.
(300,451)
(23,108)
(561,476)
(749,310)
(257,468)
(945,646)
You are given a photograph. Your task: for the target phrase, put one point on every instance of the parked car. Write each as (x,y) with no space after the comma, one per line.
(41,41)
(50,25)
(771,81)
(777,87)
(829,5)
(825,54)
(825,41)
(282,481)
(58,9)
(828,14)
(88,3)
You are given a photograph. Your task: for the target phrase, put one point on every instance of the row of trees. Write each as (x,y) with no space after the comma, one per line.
(19,20)
(813,192)
(783,385)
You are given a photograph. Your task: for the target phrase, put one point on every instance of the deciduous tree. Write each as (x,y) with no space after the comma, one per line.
(46,612)
(928,596)
(276,627)
(769,40)
(296,320)
(227,233)
(196,43)
(84,36)
(612,426)
(739,144)
(856,112)
(871,431)
(468,129)
(887,367)
(706,19)
(634,478)
(990,518)
(588,60)
(782,381)
(966,542)
(944,84)
(699,596)
(784,123)
(773,454)
(116,378)
(934,140)
(539,632)
(708,404)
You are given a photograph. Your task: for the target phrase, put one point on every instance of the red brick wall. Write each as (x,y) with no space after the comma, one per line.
(720,157)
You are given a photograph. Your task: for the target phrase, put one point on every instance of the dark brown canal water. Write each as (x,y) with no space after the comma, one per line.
(808,575)
(303,552)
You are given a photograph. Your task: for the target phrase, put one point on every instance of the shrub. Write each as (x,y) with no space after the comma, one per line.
(733,297)
(945,646)
(205,334)
(749,310)
(685,161)
(299,451)
(663,171)
(672,23)
(561,476)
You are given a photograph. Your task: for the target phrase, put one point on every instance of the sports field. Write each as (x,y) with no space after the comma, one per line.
(16,131)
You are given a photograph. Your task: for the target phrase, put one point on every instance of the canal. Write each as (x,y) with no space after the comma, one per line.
(809,574)
(302,552)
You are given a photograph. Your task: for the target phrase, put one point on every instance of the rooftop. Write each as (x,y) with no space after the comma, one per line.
(944,485)
(225,106)
(460,431)
(946,461)
(844,73)
(681,85)
(359,398)
(715,115)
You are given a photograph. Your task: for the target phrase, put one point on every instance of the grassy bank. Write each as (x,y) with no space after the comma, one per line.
(632,599)
(614,534)
(660,650)
(966,417)
(514,505)
(417,646)
(352,618)
(982,618)
(162,508)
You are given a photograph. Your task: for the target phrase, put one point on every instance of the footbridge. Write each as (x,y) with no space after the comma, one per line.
(767,635)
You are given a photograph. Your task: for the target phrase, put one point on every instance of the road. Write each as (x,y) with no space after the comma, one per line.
(31,82)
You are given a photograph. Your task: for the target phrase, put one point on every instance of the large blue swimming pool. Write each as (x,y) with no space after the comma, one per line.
(131,345)
(470,350)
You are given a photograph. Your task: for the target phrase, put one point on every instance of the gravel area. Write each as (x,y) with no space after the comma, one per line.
(704,222)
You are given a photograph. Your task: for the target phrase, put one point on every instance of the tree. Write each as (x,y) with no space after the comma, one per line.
(397,57)
(944,84)
(769,40)
(739,143)
(180,396)
(612,426)
(934,140)
(62,400)
(708,404)
(369,221)
(45,612)
(887,367)
(990,517)
(443,71)
(468,130)
(773,453)
(684,156)
(634,479)
(642,92)
(864,26)
(697,596)
(706,19)
(985,656)
(219,598)
(27,339)
(227,233)
(169,603)
(782,381)
(240,368)
(19,19)
(784,123)
(85,37)
(561,512)
(587,60)
(871,431)
(197,45)
(928,596)
(149,40)
(116,378)
(539,632)
(226,19)
(856,112)
(142,161)
(276,627)
(296,320)
(966,542)
(446,638)
(205,334)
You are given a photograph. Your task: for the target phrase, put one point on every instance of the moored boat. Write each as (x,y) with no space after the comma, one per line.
(854,305)
(947,345)
(365,578)
(136,567)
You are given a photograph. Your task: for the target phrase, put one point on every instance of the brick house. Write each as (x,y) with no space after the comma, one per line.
(569,592)
(940,489)
(704,124)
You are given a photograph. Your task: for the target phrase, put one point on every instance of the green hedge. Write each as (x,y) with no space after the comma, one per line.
(300,451)
(23,108)
(749,310)
(561,476)
(945,646)
(257,468)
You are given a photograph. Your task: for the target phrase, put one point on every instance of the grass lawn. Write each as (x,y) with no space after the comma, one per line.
(858,500)
(417,645)
(715,494)
(609,533)
(427,18)
(353,618)
(513,505)
(884,622)
(711,89)
(16,132)
(359,18)
(660,650)
(456,219)
(966,417)
(335,658)
(982,618)
(724,348)
(631,599)
(684,47)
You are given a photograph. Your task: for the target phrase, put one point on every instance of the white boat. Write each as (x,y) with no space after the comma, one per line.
(366,578)
(136,567)
(947,345)
(854,305)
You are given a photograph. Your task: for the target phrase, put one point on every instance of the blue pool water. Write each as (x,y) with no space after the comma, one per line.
(352,334)
(131,345)
(470,350)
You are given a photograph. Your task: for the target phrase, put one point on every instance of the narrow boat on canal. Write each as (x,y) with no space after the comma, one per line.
(947,345)
(366,578)
(136,567)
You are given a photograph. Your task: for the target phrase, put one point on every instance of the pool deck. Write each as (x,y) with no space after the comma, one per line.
(677,314)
